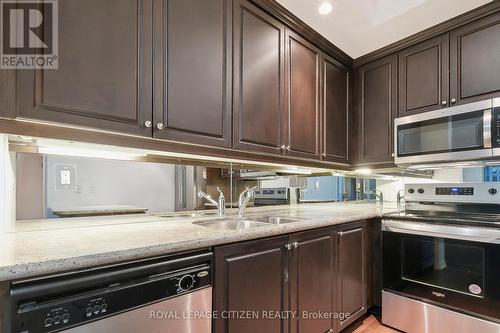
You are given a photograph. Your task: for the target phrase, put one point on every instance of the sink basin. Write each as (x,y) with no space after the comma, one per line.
(276,219)
(232,224)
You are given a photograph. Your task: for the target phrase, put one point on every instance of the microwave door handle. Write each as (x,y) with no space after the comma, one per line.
(445,232)
(487,128)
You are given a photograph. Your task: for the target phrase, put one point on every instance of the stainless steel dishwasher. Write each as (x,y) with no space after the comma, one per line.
(163,295)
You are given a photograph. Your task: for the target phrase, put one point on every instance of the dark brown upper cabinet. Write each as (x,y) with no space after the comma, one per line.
(302,120)
(259,83)
(351,274)
(311,280)
(335,111)
(251,276)
(376,98)
(423,76)
(475,61)
(192,71)
(104,76)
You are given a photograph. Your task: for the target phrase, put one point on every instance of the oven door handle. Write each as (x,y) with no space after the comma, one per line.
(473,234)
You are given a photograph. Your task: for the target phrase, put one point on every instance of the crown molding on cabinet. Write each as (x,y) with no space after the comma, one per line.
(441,28)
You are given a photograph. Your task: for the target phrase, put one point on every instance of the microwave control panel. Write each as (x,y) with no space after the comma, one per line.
(495,127)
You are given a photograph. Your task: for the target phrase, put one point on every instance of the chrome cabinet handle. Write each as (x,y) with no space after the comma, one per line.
(453,100)
(283,147)
(288,148)
(160,126)
(288,247)
(295,245)
(324,154)
(444,102)
(148,123)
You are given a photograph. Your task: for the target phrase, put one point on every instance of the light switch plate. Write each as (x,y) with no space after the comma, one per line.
(65,177)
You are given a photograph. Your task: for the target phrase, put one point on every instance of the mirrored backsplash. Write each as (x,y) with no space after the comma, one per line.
(55,186)
(58,186)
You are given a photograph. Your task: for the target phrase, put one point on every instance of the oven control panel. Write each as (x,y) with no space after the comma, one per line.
(449,192)
(454,190)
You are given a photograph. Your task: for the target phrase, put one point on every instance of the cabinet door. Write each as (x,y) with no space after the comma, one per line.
(475,60)
(192,100)
(302,117)
(351,275)
(311,283)
(335,108)
(423,76)
(251,276)
(376,94)
(258,79)
(104,76)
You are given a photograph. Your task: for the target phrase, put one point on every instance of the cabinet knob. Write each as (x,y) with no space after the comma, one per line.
(288,247)
(283,147)
(148,123)
(160,126)
(443,103)
(324,154)
(288,147)
(393,154)
(453,100)
(295,245)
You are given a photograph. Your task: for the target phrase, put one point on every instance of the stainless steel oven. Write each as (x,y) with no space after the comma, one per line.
(458,133)
(441,270)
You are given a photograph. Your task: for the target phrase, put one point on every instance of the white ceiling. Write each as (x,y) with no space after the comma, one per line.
(360,26)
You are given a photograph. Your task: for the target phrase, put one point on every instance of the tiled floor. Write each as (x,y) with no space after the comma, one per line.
(369,324)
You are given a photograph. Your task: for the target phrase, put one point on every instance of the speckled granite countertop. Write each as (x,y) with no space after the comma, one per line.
(49,246)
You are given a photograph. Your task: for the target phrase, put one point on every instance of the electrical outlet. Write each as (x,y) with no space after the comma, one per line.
(65,177)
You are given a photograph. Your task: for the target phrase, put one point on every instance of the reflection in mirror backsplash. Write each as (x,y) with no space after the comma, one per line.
(54,186)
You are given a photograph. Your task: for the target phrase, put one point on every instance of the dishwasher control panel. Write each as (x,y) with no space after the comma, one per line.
(54,315)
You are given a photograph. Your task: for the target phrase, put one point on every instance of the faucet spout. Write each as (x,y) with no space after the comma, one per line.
(243,200)
(220,204)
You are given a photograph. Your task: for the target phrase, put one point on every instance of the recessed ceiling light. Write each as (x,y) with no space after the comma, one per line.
(325,8)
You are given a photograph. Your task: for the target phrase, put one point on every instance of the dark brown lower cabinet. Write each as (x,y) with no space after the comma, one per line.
(251,276)
(351,249)
(311,281)
(307,274)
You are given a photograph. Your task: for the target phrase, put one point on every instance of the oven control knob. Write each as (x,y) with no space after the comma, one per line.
(186,282)
(420,190)
(492,191)
(411,191)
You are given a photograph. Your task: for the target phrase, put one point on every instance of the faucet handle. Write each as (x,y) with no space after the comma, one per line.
(221,195)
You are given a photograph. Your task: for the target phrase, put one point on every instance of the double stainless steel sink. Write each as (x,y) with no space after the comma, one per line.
(246,223)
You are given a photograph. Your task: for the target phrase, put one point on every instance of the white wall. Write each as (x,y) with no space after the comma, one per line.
(110,182)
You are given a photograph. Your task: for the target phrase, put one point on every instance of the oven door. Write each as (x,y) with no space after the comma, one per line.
(452,266)
(462,132)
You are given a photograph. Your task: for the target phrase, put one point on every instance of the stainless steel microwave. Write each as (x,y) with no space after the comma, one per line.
(464,132)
